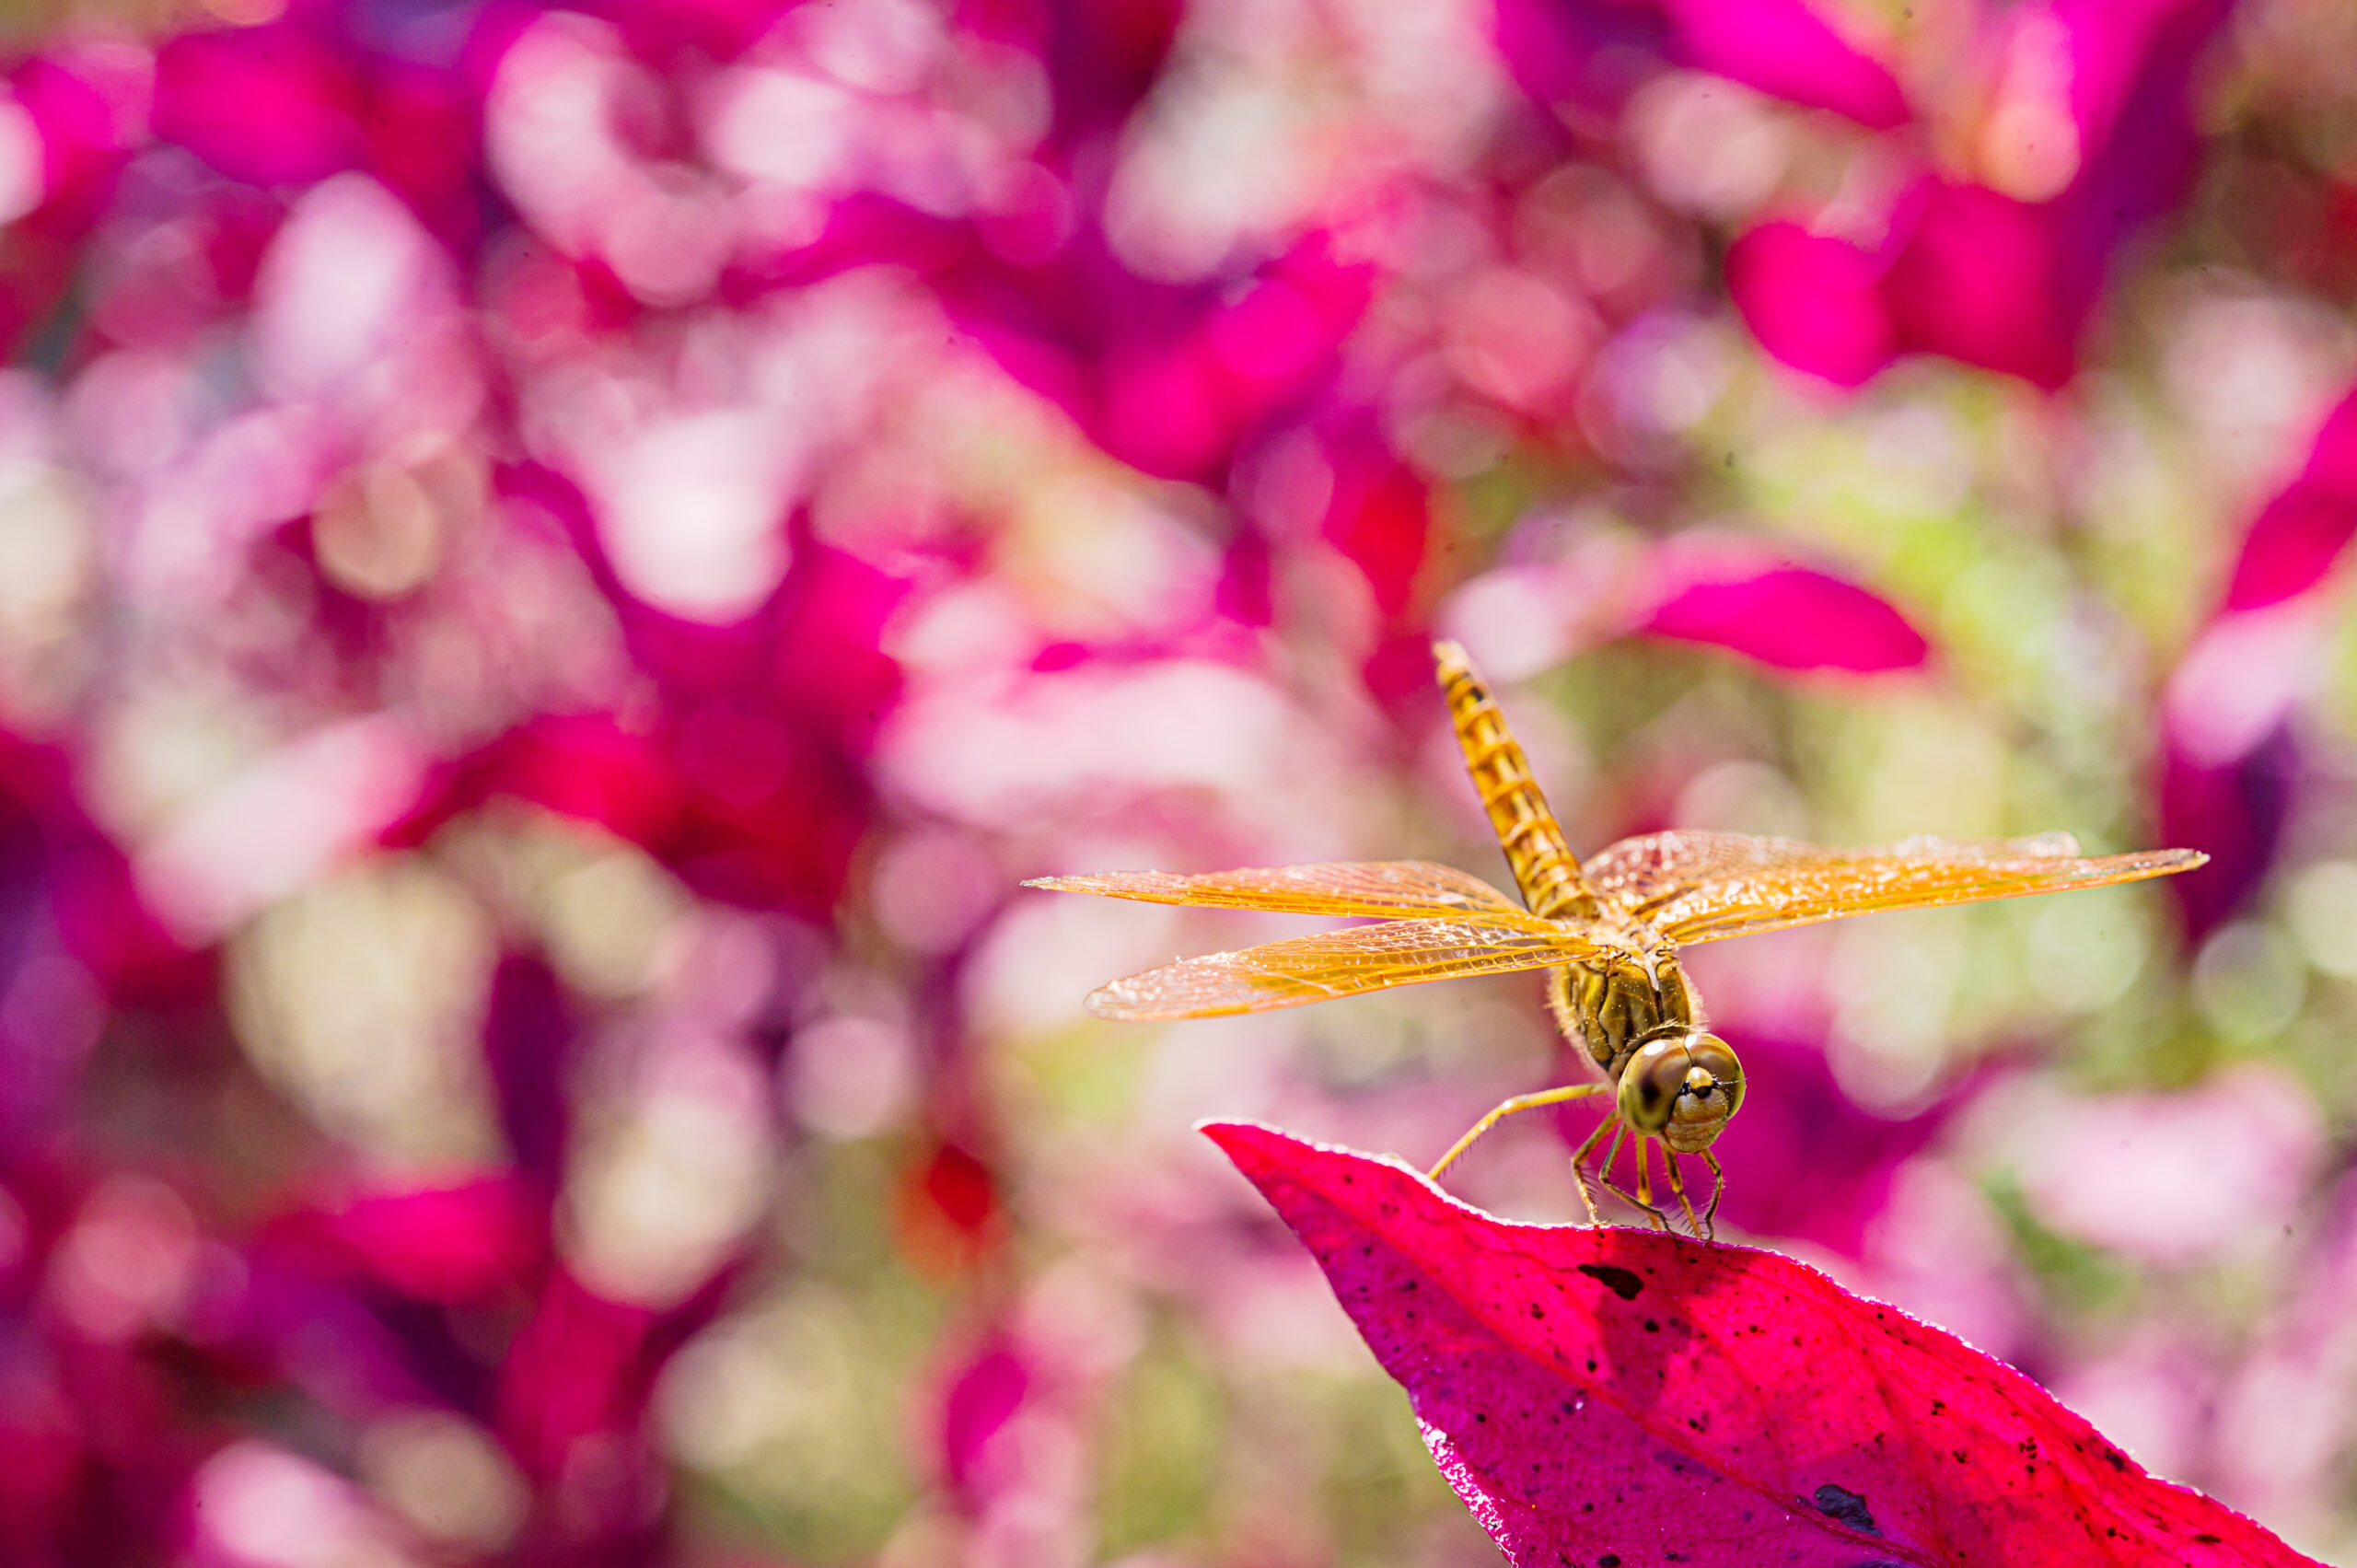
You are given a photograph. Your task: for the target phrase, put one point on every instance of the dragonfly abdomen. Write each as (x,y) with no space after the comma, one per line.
(1544,867)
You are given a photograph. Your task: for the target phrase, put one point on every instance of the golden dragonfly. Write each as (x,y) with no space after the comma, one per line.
(1607,929)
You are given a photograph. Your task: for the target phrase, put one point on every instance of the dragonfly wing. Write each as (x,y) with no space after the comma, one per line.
(1389,889)
(1696,887)
(1337,963)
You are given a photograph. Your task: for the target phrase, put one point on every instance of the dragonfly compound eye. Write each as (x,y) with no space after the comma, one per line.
(1713,1056)
(1651,1083)
(1682,1091)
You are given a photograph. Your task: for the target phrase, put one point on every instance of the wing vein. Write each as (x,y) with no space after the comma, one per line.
(1338,963)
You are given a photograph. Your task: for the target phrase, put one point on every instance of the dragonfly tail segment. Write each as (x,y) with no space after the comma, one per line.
(1544,867)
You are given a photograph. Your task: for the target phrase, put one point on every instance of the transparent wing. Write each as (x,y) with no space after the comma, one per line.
(1701,887)
(1388,890)
(1337,963)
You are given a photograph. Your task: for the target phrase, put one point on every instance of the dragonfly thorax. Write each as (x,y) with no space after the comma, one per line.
(1643,1025)
(1614,1003)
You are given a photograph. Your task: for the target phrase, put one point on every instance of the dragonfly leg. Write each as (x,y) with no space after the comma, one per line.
(1645,1182)
(1718,1187)
(1612,1151)
(1603,1167)
(1519,1103)
(1579,1177)
(1678,1185)
(1604,1177)
(1643,1205)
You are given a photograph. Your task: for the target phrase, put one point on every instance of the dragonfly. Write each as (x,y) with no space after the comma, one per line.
(1608,931)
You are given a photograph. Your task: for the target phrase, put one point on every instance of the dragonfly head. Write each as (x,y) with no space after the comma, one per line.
(1681,1089)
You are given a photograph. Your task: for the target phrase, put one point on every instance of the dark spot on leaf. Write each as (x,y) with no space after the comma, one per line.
(1537,1310)
(1848,1507)
(1651,1327)
(1960,1455)
(1623,1283)
(2114,1458)
(2206,1538)
(1609,1560)
(1591,1366)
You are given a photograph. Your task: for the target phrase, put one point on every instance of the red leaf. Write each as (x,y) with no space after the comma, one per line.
(1602,1396)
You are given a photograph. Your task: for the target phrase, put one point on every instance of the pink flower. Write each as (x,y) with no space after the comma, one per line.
(2089,138)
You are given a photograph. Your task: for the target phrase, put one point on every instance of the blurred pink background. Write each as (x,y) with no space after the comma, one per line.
(557,566)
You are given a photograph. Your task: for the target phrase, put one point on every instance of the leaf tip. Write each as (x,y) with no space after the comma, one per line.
(1250,1145)
(1267,1155)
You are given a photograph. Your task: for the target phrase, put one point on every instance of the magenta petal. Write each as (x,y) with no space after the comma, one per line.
(1978,282)
(1812,300)
(2234,811)
(1792,618)
(1167,410)
(1785,48)
(267,105)
(2297,537)
(575,1368)
(981,1399)
(82,135)
(1585,55)
(2129,61)
(1602,1394)
(1380,517)
(2291,546)
(445,1243)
